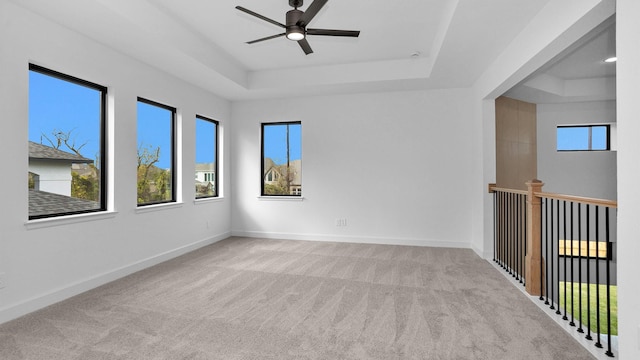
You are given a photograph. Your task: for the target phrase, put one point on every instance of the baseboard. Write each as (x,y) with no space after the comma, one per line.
(353,239)
(481,253)
(15,311)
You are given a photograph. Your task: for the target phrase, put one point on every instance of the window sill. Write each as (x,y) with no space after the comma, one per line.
(203,201)
(69,219)
(157,207)
(280,198)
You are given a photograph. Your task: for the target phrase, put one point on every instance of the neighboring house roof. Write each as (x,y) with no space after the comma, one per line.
(44,203)
(295,167)
(205,166)
(44,152)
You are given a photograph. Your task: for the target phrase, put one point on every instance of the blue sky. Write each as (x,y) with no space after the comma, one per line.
(154,130)
(60,106)
(205,141)
(577,138)
(57,105)
(275,139)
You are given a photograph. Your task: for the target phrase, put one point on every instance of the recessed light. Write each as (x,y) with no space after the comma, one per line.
(611,59)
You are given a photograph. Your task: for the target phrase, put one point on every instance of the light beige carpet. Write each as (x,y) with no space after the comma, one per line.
(270,299)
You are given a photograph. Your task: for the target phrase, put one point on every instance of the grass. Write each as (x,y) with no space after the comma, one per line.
(582,290)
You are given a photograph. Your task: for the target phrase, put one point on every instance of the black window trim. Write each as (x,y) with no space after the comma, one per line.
(262,174)
(103,138)
(590,126)
(216,160)
(174,112)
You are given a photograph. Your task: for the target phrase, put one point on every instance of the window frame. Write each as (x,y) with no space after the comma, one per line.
(216,123)
(262,158)
(590,139)
(103,90)
(174,176)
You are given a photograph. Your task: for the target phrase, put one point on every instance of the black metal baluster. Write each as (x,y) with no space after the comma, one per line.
(516,271)
(564,257)
(558,254)
(512,244)
(571,323)
(507,232)
(552,258)
(542,261)
(608,259)
(512,261)
(580,266)
(588,337)
(547,232)
(524,246)
(500,228)
(495,221)
(598,344)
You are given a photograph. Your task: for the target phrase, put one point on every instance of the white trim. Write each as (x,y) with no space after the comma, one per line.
(14,311)
(354,239)
(157,207)
(281,198)
(481,253)
(69,219)
(207,200)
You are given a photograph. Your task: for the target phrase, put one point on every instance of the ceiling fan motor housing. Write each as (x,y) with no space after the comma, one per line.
(293,16)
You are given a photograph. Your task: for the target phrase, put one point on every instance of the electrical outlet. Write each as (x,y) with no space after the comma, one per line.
(341,222)
(208,224)
(2,280)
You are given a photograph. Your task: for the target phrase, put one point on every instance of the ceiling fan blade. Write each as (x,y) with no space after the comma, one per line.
(311,12)
(304,44)
(260,16)
(330,32)
(265,38)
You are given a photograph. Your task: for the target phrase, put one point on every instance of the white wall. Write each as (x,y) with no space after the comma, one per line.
(394,165)
(48,260)
(581,173)
(628,108)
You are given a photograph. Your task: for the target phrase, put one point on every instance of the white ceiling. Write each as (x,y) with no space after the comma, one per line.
(577,74)
(203,42)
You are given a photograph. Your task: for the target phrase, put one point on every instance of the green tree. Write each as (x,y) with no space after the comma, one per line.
(85,186)
(154,184)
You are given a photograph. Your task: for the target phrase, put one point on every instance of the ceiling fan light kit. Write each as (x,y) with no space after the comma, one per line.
(296,24)
(294,31)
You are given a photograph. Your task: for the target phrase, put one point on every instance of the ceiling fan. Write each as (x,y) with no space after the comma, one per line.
(296,24)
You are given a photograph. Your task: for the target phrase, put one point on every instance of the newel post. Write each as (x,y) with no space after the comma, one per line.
(533,258)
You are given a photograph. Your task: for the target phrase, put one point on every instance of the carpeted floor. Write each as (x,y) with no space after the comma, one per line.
(275,299)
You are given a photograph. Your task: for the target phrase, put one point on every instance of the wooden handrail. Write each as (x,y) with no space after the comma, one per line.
(578,199)
(512,191)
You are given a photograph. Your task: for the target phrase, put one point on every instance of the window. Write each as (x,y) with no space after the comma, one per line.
(206,158)
(66,144)
(583,138)
(156,153)
(281,159)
